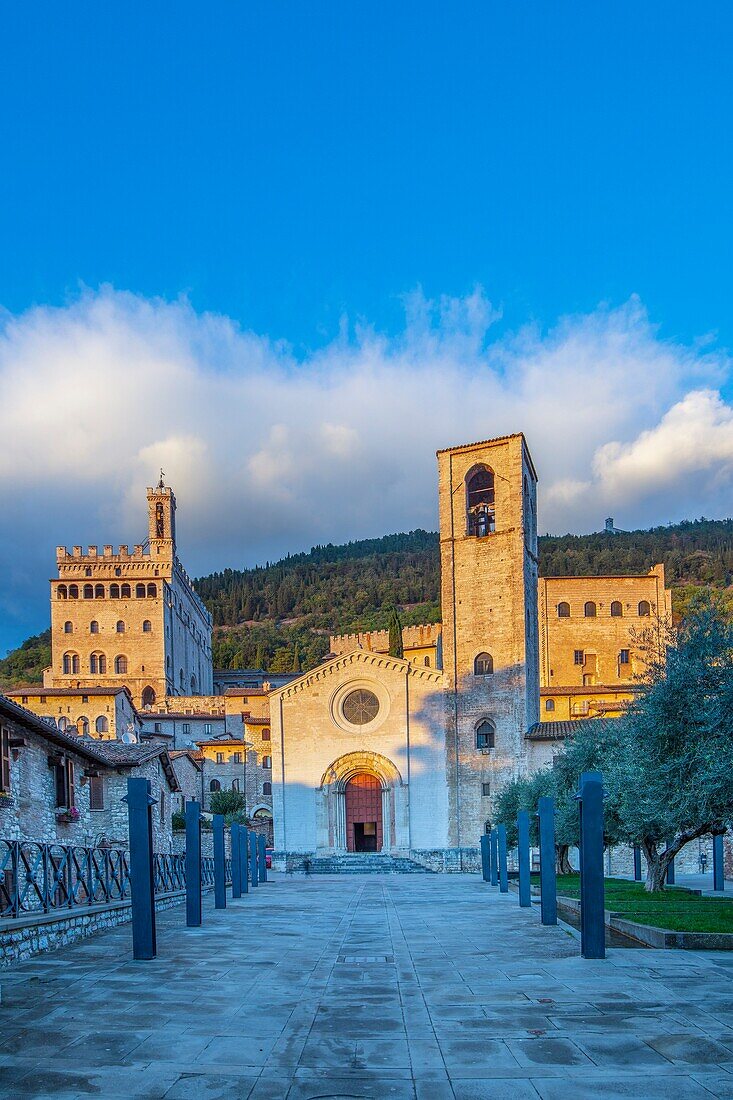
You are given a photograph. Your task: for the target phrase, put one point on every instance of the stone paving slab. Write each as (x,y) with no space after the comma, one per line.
(424,987)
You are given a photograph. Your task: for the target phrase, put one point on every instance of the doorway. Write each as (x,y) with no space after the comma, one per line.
(364,813)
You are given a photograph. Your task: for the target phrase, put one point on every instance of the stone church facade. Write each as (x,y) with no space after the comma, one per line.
(376,753)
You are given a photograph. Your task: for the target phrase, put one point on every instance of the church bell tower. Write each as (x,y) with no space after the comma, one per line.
(488,557)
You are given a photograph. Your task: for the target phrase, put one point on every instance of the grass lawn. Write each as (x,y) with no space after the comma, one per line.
(676,908)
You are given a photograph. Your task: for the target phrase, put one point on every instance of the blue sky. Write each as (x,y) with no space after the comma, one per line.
(294,229)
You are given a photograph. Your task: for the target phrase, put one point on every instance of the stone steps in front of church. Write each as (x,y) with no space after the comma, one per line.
(361,863)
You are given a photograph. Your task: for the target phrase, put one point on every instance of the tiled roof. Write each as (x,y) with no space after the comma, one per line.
(159,715)
(557,731)
(238,692)
(256,721)
(226,742)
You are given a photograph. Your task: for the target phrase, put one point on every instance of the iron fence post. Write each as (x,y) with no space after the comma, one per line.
(548,880)
(503,875)
(494,864)
(220,885)
(142,884)
(670,872)
(253,858)
(262,861)
(718,872)
(592,901)
(236,876)
(193,864)
(243,858)
(485,857)
(525,895)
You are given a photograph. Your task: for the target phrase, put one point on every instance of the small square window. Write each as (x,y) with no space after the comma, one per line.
(485,789)
(85,698)
(158,727)
(625,656)
(579,656)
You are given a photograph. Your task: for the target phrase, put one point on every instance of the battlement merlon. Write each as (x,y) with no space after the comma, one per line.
(377,641)
(92,555)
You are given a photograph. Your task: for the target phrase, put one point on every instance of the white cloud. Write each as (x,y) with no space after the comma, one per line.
(269,454)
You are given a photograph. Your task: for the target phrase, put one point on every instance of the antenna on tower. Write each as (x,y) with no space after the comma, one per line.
(161,483)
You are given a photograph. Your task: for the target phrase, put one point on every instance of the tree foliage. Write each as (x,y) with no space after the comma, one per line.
(228,802)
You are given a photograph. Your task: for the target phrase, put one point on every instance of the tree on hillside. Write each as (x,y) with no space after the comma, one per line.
(395,635)
(670,778)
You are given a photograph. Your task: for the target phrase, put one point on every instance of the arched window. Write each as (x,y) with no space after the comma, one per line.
(152,591)
(125,591)
(563,610)
(97,664)
(194,688)
(114,591)
(61,592)
(94,627)
(120,628)
(62,722)
(616,609)
(68,627)
(101,725)
(267,788)
(148,697)
(71,663)
(99,591)
(147,626)
(140,591)
(88,571)
(82,726)
(214,785)
(589,610)
(121,665)
(480,502)
(235,784)
(485,734)
(73,592)
(426,662)
(644,608)
(483,665)
(88,592)
(549,704)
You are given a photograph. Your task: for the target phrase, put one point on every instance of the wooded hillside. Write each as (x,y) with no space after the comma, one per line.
(278,616)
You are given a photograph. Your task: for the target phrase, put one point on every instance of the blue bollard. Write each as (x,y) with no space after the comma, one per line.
(718,872)
(670,872)
(637,863)
(592,899)
(262,858)
(548,881)
(525,893)
(494,864)
(503,875)
(244,858)
(220,885)
(236,867)
(253,881)
(485,858)
(193,864)
(142,881)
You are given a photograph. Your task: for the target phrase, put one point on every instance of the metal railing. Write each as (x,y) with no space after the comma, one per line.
(37,878)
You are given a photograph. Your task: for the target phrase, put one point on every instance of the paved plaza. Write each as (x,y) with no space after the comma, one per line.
(420,986)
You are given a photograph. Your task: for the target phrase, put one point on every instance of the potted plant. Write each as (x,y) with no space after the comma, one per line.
(68,816)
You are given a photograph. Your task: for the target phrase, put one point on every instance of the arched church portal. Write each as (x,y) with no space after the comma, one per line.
(364,832)
(363,805)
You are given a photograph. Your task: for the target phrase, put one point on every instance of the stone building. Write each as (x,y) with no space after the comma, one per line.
(596,634)
(133,619)
(101,712)
(60,787)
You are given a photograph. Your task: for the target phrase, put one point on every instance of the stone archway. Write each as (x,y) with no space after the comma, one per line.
(392,820)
